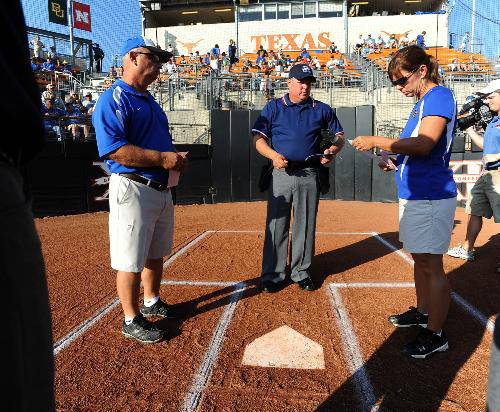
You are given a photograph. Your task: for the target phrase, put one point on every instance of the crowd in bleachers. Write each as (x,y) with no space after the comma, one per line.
(69,117)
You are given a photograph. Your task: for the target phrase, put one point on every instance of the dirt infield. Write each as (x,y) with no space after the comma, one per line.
(214,281)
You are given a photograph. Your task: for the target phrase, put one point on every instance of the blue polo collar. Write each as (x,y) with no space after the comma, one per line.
(287,102)
(129,88)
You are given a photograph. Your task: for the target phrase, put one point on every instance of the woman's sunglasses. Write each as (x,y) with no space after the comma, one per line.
(403,80)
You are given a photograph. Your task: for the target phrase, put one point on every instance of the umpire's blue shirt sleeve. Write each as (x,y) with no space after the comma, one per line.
(109,119)
(333,122)
(263,123)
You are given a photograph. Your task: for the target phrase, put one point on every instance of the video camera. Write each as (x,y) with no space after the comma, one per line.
(475,111)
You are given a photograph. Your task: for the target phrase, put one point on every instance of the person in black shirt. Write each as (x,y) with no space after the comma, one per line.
(26,338)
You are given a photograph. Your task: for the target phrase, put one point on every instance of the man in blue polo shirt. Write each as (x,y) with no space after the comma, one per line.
(133,136)
(288,132)
(485,195)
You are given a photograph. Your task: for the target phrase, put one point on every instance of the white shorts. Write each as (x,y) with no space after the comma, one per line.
(425,225)
(141,222)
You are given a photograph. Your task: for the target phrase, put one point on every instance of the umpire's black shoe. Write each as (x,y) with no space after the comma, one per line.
(270,286)
(426,343)
(142,330)
(306,284)
(160,309)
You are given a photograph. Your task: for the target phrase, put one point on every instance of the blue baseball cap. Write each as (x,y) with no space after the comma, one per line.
(140,41)
(301,71)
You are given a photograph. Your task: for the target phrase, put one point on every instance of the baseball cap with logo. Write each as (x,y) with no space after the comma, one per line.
(140,41)
(492,86)
(301,71)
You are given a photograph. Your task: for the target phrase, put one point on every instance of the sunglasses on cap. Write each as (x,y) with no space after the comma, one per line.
(403,80)
(154,57)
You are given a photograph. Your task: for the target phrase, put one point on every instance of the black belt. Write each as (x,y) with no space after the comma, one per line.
(293,165)
(148,182)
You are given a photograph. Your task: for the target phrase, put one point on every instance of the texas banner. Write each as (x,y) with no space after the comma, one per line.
(58,12)
(81,16)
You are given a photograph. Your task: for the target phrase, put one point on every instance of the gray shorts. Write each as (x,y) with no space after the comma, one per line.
(141,224)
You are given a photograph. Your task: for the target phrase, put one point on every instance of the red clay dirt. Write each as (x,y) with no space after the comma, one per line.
(101,370)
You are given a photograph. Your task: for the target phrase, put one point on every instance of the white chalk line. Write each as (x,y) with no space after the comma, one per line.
(84,326)
(373,285)
(464,304)
(352,352)
(186,248)
(88,323)
(204,372)
(197,283)
(318,232)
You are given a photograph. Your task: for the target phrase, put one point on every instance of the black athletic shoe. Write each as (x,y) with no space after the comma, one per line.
(411,317)
(426,343)
(142,330)
(160,309)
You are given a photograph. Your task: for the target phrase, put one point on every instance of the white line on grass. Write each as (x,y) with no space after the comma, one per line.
(86,324)
(466,306)
(363,386)
(206,367)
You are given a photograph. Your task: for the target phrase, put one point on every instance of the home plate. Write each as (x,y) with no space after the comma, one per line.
(284,348)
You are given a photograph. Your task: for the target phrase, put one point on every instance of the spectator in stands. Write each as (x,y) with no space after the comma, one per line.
(231,52)
(183,60)
(170,49)
(48,65)
(305,54)
(38,47)
(35,66)
(170,67)
(206,60)
(421,40)
(214,62)
(370,41)
(359,44)
(191,58)
(393,42)
(379,43)
(464,45)
(75,120)
(330,64)
(52,55)
(98,56)
(471,65)
(454,66)
(66,67)
(261,60)
(315,63)
(88,103)
(333,48)
(52,116)
(49,90)
(262,52)
(225,63)
(215,51)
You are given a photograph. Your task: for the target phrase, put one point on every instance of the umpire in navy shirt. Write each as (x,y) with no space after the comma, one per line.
(287,132)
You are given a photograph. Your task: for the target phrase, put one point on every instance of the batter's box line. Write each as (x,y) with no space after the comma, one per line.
(222,231)
(352,351)
(80,329)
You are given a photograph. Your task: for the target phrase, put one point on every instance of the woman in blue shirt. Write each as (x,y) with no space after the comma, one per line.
(426,189)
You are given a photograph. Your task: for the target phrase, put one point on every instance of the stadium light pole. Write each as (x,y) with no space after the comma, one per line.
(346,27)
(70,22)
(473,23)
(236,22)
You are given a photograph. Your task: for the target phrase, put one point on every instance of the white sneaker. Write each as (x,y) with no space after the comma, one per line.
(460,252)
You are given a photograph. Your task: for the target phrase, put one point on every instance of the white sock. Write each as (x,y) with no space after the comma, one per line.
(128,320)
(151,302)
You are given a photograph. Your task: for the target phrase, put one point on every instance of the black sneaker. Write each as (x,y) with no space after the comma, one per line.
(426,343)
(411,317)
(142,330)
(160,309)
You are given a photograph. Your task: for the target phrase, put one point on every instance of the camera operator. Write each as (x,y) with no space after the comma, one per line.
(485,195)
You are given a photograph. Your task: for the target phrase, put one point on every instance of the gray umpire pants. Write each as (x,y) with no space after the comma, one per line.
(298,189)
